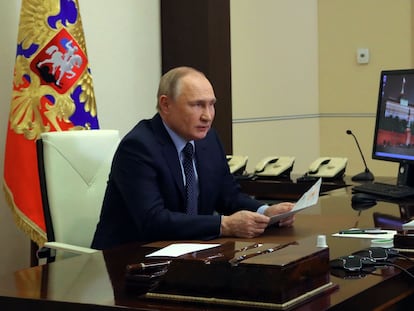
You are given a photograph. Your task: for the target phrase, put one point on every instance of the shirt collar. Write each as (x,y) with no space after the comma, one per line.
(178,141)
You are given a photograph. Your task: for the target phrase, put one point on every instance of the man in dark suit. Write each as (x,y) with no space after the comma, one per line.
(146,200)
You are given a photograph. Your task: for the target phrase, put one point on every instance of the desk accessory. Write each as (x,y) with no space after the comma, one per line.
(363,231)
(147,267)
(235,261)
(367,261)
(274,167)
(366,175)
(404,241)
(362,201)
(384,243)
(408,225)
(221,256)
(289,274)
(142,277)
(368,234)
(321,241)
(330,168)
(351,267)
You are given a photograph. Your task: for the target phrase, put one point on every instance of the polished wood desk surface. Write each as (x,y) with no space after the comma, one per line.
(96,282)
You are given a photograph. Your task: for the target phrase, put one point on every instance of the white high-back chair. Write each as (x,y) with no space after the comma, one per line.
(73,172)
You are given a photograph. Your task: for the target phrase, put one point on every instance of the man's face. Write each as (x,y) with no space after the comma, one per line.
(193,111)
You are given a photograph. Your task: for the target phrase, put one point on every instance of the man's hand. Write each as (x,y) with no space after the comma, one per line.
(244,224)
(281,208)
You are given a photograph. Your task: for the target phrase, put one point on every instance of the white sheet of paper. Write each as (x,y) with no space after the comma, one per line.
(178,249)
(308,199)
(409,225)
(389,235)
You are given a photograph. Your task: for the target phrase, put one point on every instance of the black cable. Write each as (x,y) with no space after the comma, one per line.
(360,261)
(386,263)
(394,253)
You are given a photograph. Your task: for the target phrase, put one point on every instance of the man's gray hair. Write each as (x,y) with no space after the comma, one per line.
(170,82)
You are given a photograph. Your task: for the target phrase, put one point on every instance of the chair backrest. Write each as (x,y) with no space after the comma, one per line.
(75,168)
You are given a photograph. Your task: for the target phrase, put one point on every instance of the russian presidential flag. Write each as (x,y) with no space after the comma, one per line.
(52,91)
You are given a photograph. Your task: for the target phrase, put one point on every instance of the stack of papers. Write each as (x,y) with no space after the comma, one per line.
(388,234)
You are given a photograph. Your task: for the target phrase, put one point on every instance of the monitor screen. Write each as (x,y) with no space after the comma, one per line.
(394,124)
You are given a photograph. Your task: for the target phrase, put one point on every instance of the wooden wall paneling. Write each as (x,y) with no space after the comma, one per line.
(197,34)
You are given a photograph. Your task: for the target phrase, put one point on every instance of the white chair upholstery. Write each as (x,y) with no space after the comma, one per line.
(76,165)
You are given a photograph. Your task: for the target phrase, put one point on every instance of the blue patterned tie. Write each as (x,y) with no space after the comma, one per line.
(190,182)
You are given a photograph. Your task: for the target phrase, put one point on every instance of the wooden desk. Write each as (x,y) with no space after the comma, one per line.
(285,189)
(96,282)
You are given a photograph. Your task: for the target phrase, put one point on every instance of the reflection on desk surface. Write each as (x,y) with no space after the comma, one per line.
(98,279)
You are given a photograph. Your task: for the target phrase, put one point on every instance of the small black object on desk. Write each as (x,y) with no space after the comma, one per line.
(364,199)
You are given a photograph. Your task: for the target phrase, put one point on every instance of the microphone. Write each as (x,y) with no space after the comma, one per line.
(365,175)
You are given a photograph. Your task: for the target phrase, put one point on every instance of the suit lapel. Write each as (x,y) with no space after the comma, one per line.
(169,152)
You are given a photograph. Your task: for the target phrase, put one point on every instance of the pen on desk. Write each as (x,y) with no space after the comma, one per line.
(140,267)
(363,231)
(209,259)
(237,260)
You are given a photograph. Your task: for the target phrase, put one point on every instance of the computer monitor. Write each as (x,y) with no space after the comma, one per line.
(394,124)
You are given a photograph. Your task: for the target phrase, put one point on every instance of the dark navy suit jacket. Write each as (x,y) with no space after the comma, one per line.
(145,196)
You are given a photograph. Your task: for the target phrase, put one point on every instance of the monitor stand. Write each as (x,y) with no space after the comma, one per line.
(405,175)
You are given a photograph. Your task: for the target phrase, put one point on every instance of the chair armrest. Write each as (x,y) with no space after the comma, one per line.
(70,248)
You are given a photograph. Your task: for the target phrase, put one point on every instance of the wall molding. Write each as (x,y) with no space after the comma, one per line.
(303,116)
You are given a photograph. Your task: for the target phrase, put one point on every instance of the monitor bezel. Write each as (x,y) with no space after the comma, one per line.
(392,157)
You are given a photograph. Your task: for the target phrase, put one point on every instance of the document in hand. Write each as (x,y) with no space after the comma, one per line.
(308,199)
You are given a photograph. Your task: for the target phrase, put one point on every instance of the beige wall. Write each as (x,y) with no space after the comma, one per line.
(349,90)
(274,52)
(123,45)
(297,86)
